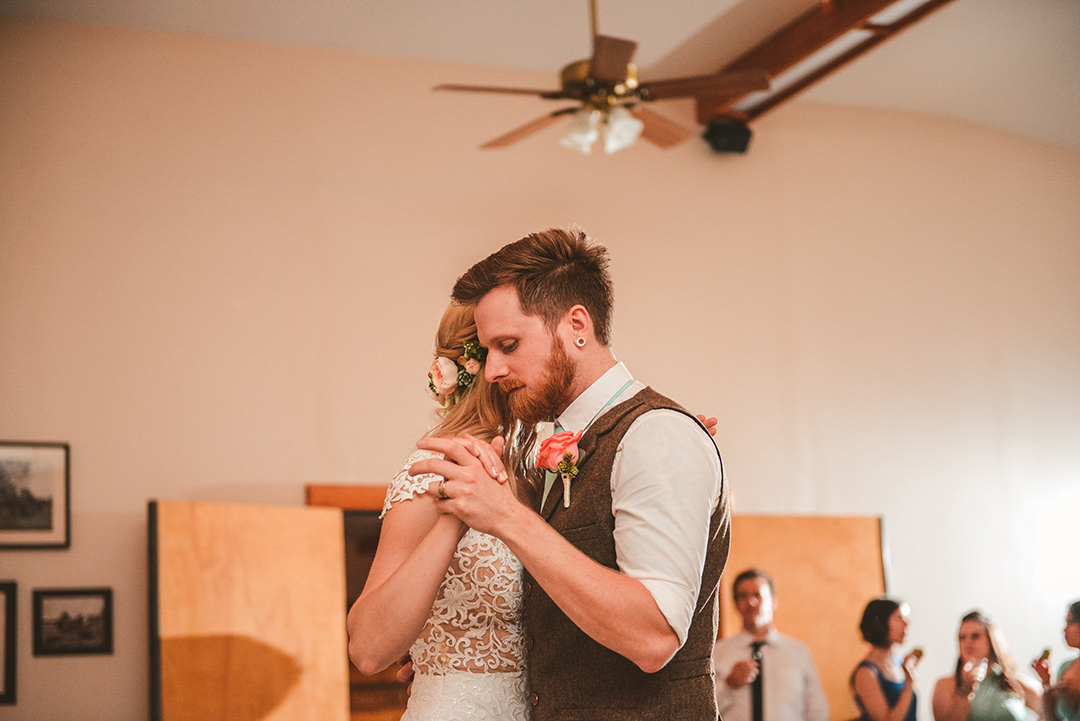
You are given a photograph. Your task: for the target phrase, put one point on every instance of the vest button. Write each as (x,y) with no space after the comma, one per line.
(528,588)
(528,643)
(534,699)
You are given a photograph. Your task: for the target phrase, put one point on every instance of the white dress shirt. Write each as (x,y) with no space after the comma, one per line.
(791,689)
(665,484)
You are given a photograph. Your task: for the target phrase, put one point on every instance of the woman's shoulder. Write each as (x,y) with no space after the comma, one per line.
(404,487)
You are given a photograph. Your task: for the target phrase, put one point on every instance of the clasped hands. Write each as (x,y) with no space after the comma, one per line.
(474,486)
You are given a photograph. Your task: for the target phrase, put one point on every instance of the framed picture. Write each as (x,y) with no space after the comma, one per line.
(7,642)
(34,492)
(70,621)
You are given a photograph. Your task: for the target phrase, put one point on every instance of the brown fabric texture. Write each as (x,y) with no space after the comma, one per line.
(574,678)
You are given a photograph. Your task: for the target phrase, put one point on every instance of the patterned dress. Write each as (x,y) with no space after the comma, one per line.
(469,658)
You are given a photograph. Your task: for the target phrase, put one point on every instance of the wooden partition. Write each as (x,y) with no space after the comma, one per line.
(826,569)
(246,613)
(380,697)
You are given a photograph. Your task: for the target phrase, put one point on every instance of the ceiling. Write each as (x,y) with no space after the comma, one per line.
(1008,64)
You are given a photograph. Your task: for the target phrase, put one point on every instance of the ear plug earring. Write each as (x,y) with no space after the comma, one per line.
(580,342)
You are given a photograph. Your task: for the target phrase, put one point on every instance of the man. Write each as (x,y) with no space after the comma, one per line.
(621,586)
(790,688)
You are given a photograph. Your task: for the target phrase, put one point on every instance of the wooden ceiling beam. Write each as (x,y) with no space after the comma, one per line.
(812,31)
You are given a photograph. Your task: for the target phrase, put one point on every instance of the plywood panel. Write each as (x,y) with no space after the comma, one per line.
(826,569)
(249,613)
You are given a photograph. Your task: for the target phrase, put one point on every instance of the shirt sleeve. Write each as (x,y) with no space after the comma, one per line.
(665,485)
(817,706)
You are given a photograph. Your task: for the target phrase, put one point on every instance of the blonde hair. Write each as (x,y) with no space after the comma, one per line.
(481,409)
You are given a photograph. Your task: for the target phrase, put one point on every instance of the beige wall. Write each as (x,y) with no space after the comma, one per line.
(221,264)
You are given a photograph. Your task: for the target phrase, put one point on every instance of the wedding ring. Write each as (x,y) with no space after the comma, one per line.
(442,490)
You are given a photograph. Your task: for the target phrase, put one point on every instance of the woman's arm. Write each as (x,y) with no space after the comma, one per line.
(869,692)
(415,548)
(950,703)
(1032,692)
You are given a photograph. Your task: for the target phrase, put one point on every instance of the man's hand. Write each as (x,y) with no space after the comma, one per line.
(709,423)
(468,490)
(742,673)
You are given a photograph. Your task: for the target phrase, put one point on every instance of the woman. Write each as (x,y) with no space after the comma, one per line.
(1063,700)
(986,685)
(448,596)
(883,685)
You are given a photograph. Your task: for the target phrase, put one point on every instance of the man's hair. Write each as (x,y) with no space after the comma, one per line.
(552,271)
(750,574)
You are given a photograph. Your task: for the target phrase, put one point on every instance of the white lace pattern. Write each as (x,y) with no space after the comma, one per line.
(473,642)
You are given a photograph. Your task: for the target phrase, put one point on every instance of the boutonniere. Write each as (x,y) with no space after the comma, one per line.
(559,454)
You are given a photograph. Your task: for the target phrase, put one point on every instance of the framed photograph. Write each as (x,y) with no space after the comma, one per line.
(7,642)
(72,621)
(34,492)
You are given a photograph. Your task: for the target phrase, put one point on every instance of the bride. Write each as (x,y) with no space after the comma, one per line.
(445,595)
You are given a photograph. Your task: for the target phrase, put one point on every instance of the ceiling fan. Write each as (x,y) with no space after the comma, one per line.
(609,99)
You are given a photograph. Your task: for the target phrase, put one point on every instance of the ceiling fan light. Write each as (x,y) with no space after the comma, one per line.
(621,130)
(582,131)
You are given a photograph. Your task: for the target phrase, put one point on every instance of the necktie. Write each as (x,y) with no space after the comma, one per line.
(755,688)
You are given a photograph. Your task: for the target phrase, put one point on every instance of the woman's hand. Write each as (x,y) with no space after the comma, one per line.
(1041,667)
(971,674)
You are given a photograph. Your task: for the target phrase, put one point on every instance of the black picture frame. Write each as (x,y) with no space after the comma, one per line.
(73,621)
(8,609)
(35,492)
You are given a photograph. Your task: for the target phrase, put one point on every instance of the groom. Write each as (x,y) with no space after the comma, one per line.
(621,603)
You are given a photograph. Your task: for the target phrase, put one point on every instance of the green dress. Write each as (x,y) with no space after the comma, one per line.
(993,703)
(1065,712)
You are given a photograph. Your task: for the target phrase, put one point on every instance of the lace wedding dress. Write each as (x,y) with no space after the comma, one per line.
(469,658)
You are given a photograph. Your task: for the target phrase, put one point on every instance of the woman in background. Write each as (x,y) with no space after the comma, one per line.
(986,685)
(883,684)
(1062,701)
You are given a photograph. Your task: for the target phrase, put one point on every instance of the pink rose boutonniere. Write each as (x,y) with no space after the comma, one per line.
(559,454)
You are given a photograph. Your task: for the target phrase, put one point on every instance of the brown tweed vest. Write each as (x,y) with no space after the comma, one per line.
(574,678)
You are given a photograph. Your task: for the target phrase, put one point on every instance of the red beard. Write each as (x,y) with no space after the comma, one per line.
(552,391)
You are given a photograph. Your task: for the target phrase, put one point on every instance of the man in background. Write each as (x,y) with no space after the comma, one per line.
(760,672)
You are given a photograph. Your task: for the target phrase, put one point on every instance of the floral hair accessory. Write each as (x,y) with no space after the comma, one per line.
(449,378)
(559,454)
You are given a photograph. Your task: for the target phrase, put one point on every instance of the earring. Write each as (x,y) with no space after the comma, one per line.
(580,342)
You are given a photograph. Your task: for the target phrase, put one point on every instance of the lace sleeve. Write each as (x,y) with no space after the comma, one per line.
(404,487)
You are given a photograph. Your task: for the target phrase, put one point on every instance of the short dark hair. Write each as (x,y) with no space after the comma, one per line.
(750,574)
(874,625)
(1074,609)
(552,271)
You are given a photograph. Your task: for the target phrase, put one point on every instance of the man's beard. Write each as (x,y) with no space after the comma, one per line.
(552,392)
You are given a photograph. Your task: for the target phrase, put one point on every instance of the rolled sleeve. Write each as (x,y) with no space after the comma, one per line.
(665,485)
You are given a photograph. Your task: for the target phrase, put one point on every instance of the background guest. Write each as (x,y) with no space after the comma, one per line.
(1062,701)
(986,685)
(882,684)
(790,689)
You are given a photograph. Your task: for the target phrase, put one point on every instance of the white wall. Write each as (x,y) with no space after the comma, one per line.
(221,265)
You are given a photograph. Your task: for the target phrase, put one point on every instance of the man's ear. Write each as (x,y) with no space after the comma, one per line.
(579,322)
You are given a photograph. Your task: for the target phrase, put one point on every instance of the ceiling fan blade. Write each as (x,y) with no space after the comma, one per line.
(610,58)
(734,84)
(528,129)
(659,130)
(493,89)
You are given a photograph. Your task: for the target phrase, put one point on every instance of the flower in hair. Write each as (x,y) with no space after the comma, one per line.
(449,378)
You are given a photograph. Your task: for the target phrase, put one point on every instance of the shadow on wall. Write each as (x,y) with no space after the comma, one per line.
(224,677)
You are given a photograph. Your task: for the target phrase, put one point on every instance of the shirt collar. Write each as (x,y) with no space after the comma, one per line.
(770,637)
(587,405)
